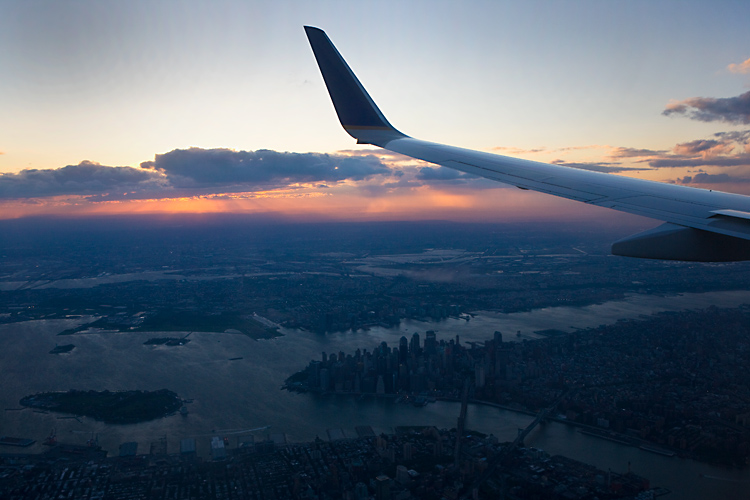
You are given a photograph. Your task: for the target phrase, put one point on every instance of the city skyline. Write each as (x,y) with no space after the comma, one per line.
(185,107)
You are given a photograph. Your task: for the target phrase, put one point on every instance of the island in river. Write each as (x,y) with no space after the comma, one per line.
(121,407)
(62,349)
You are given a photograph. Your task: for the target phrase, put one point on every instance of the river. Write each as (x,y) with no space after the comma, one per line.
(244,394)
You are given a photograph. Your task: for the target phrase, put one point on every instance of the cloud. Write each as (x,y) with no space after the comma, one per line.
(518,151)
(708,109)
(706,148)
(83,179)
(633,153)
(262,169)
(705,178)
(194,171)
(721,161)
(740,137)
(206,173)
(725,149)
(598,166)
(743,67)
(580,148)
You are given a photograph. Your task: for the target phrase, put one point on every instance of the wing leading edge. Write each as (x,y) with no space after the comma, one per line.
(700,225)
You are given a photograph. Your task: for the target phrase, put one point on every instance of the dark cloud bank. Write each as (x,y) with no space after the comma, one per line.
(83,179)
(195,167)
(194,170)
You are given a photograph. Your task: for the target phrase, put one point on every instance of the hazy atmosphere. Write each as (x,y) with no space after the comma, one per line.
(208,289)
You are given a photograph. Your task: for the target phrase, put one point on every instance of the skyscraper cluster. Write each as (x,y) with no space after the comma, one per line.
(414,367)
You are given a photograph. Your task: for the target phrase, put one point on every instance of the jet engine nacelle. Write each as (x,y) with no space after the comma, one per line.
(674,242)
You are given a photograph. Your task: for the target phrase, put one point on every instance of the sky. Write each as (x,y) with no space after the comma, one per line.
(163,106)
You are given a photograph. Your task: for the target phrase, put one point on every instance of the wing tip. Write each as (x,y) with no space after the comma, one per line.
(312,30)
(357,112)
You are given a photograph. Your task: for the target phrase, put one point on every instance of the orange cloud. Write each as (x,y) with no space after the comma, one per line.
(743,67)
(704,148)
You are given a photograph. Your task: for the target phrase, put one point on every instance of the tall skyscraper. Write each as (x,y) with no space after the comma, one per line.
(383,488)
(479,375)
(360,492)
(380,387)
(430,343)
(414,345)
(402,474)
(498,338)
(408,451)
(403,350)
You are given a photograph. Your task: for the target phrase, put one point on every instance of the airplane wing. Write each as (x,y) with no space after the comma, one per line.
(700,225)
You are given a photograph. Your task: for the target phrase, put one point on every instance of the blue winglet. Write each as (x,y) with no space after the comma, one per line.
(357,112)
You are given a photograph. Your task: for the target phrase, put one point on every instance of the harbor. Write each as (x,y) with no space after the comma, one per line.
(16,441)
(199,371)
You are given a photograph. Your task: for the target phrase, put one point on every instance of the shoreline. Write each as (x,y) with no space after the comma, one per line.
(588,430)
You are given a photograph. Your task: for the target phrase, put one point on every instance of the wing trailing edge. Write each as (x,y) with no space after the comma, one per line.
(701,225)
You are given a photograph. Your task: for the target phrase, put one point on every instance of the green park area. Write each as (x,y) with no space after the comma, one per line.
(121,407)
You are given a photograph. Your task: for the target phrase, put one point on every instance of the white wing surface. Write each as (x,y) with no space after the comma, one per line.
(700,225)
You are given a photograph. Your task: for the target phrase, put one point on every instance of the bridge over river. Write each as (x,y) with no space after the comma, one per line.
(522,433)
